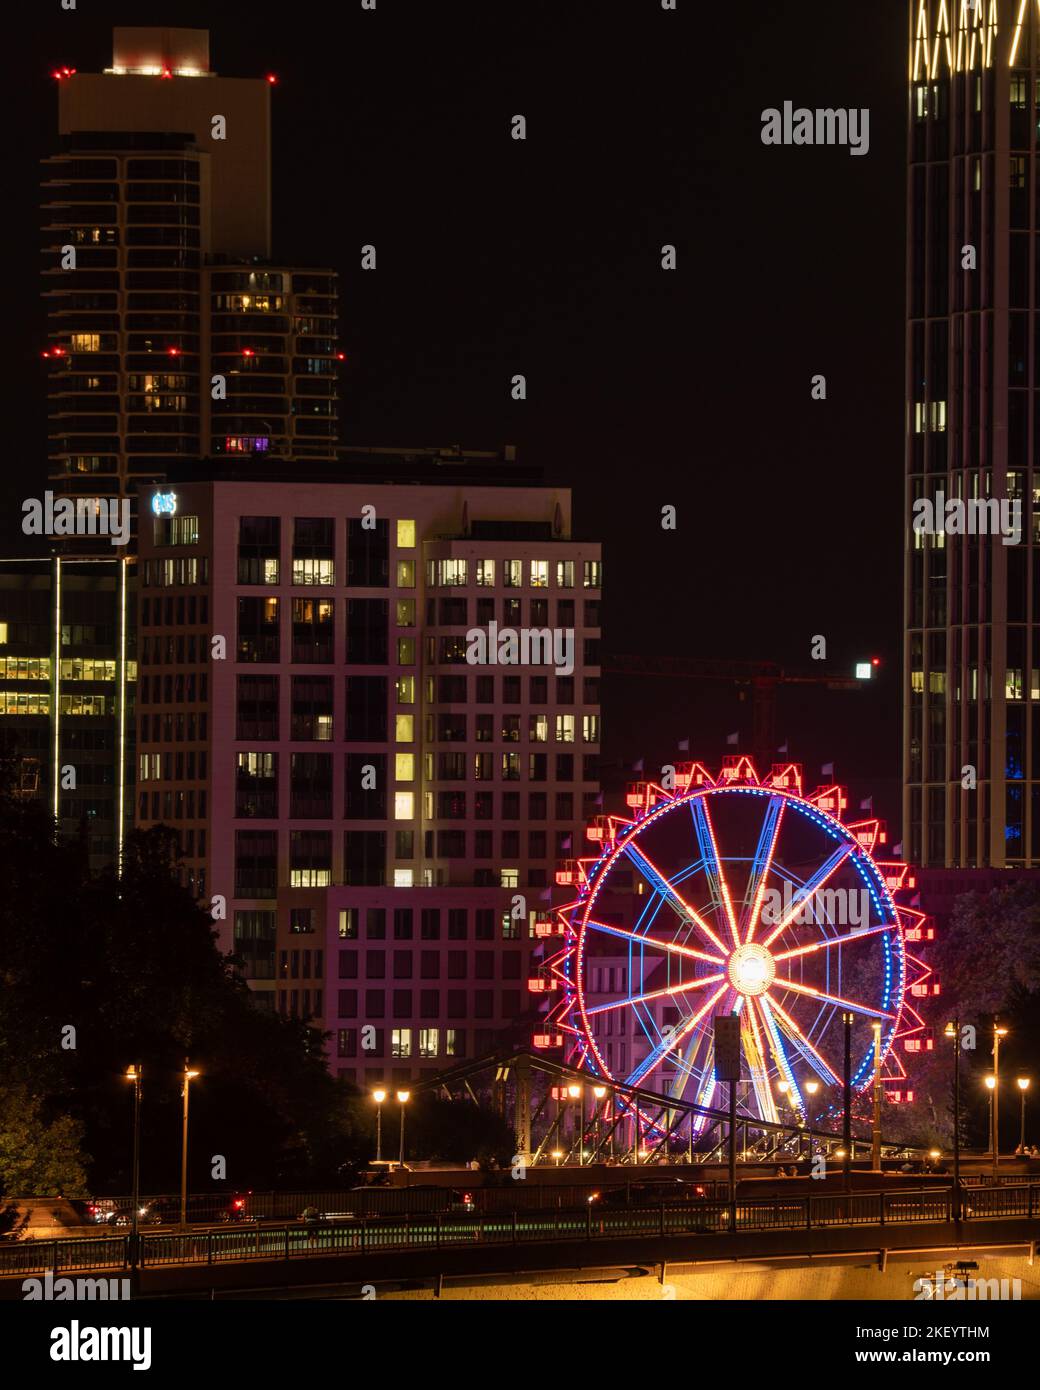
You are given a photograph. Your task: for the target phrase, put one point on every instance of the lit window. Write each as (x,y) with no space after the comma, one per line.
(565,574)
(539,730)
(313,572)
(539,574)
(509,878)
(86,342)
(404,728)
(3,633)
(565,728)
(406,574)
(512,573)
(485,573)
(429,1042)
(406,534)
(406,651)
(401,1042)
(451,574)
(405,610)
(590,728)
(593,568)
(404,767)
(404,805)
(404,878)
(405,690)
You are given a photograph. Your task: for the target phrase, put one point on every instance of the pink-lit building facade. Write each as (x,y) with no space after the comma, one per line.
(374,805)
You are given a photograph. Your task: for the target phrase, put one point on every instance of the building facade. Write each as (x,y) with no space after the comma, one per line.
(359,698)
(171,333)
(971,752)
(68,677)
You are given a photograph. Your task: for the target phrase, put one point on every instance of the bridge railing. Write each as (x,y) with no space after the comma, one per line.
(438,1230)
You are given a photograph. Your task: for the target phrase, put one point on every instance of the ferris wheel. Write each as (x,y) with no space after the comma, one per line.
(738,895)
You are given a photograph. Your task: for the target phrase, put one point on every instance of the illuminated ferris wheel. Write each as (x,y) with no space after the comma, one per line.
(737,895)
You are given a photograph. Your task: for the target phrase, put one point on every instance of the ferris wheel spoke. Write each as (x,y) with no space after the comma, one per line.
(804,1046)
(666,888)
(783,1062)
(809,889)
(845,940)
(668,1044)
(712,865)
(671,947)
(655,994)
(761,867)
(756,1055)
(824,997)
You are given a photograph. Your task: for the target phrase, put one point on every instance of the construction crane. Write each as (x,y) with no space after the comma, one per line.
(762,677)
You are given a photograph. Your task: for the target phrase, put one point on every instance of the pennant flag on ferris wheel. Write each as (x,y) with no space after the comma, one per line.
(867,805)
(684,745)
(733,739)
(783,747)
(637,766)
(827,769)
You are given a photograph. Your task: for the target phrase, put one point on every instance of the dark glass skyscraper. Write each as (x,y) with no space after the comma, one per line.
(971,750)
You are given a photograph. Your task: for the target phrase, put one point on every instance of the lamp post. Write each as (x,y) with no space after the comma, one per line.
(1023,1086)
(953,1030)
(188,1076)
(811,1087)
(846,1127)
(875,1136)
(991,1086)
(599,1092)
(134,1074)
(577,1093)
(379,1096)
(998,1033)
(403,1097)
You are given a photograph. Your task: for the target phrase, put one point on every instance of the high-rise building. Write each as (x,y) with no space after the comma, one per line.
(372,702)
(171,333)
(68,672)
(971,745)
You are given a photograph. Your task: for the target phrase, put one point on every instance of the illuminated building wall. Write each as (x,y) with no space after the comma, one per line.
(343,742)
(174,335)
(67,724)
(972,640)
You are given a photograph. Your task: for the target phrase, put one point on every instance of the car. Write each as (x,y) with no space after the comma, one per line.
(237,1209)
(670,1192)
(453,1199)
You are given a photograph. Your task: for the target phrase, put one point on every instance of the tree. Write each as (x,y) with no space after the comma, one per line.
(39,1156)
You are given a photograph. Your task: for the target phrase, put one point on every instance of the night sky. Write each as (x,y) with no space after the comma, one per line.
(645,388)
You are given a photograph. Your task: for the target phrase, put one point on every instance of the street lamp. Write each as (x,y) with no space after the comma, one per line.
(134,1074)
(1023,1085)
(188,1076)
(998,1033)
(599,1092)
(403,1097)
(379,1095)
(811,1087)
(953,1031)
(575,1092)
(991,1086)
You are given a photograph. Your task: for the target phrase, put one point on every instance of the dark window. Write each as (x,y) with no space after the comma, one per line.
(368,553)
(366,709)
(365,787)
(310,786)
(312,709)
(367,631)
(256,863)
(258,629)
(364,860)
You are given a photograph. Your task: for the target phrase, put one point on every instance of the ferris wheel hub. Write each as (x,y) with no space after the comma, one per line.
(751,969)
